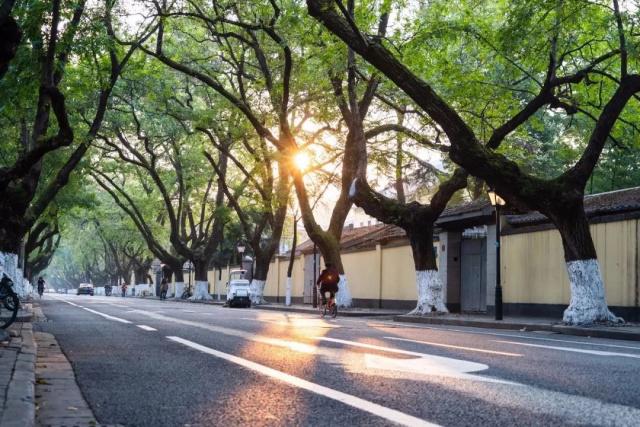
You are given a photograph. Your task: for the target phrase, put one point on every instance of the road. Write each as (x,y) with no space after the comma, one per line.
(161,363)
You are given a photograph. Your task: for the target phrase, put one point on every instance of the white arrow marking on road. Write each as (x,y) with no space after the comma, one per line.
(425,364)
(348,399)
(574,350)
(146,328)
(457,347)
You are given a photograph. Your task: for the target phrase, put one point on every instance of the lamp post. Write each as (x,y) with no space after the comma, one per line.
(241,247)
(188,267)
(156,267)
(496,202)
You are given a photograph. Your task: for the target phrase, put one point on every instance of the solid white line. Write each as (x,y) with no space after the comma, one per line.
(146,328)
(106,316)
(574,350)
(457,347)
(348,399)
(401,325)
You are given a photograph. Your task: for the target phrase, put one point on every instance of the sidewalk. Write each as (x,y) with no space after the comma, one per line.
(629,331)
(17,376)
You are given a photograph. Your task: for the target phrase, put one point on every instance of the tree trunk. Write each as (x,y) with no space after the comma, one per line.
(330,249)
(10,36)
(430,292)
(259,279)
(201,270)
(588,304)
(292,258)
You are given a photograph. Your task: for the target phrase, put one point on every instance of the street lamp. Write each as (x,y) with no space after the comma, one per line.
(240,247)
(188,267)
(496,202)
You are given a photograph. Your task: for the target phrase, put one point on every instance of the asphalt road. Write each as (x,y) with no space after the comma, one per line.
(162,363)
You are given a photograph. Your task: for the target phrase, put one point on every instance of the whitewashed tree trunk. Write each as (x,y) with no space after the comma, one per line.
(430,293)
(257,292)
(588,304)
(201,292)
(343,297)
(179,287)
(287,295)
(9,266)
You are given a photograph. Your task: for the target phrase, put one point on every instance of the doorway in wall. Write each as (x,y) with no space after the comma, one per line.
(473,269)
(310,277)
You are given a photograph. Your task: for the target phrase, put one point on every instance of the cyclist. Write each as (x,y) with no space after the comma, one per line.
(328,282)
(40,286)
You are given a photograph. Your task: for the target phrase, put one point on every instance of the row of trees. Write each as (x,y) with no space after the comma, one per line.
(192,120)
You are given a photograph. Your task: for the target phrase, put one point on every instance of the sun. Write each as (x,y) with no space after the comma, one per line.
(302,160)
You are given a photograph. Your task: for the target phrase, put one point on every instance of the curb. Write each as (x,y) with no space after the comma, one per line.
(597,332)
(19,407)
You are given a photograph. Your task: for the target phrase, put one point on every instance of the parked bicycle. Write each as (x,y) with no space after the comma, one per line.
(9,302)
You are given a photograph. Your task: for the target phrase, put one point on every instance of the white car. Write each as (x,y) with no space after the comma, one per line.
(238,289)
(85,289)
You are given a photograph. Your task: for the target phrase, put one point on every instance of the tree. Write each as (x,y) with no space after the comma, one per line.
(262,222)
(416,219)
(266,41)
(171,160)
(559,198)
(25,190)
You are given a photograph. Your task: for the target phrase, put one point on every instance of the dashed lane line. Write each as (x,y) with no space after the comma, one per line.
(457,347)
(106,316)
(348,399)
(146,328)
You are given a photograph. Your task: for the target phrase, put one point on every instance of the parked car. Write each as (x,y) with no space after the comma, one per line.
(61,290)
(238,291)
(85,289)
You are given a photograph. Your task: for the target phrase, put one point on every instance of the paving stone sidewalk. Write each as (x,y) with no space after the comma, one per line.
(17,377)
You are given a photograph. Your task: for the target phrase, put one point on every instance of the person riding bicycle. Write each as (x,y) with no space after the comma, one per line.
(40,285)
(328,282)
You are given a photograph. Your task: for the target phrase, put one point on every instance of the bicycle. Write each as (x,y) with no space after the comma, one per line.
(330,307)
(8,301)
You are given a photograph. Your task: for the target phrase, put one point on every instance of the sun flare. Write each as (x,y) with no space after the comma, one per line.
(302,160)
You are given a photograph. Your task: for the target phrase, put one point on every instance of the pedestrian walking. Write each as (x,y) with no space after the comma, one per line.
(124,289)
(164,287)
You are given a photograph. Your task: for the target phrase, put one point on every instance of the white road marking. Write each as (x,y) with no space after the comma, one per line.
(146,328)
(425,364)
(348,399)
(401,325)
(457,347)
(574,350)
(296,322)
(106,316)
(428,365)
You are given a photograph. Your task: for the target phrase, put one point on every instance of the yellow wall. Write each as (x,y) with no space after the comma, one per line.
(398,274)
(534,271)
(363,273)
(386,273)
